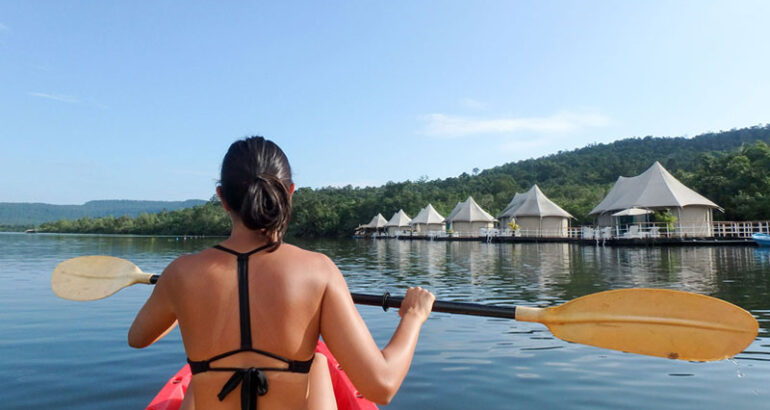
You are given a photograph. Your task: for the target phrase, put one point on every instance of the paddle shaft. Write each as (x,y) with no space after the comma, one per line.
(386,301)
(462,308)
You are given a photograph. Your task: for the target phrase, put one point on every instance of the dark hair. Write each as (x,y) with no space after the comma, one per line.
(255,182)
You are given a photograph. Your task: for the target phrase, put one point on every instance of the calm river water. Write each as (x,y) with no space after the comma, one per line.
(56,353)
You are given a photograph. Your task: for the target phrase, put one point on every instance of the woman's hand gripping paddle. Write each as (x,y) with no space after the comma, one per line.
(654,322)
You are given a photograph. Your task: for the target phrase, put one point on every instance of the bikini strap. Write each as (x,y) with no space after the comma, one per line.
(294,366)
(252,380)
(249,253)
(243,291)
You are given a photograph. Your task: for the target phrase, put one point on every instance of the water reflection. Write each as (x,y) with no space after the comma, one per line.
(546,274)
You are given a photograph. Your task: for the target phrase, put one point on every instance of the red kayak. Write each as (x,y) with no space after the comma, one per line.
(171,395)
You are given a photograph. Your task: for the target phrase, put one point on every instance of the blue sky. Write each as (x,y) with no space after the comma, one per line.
(140,100)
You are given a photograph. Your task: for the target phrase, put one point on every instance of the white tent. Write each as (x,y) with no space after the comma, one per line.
(468,218)
(657,189)
(535,214)
(398,222)
(378,222)
(428,219)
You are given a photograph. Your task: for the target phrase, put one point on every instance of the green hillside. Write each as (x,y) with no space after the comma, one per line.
(732,168)
(24,213)
(576,180)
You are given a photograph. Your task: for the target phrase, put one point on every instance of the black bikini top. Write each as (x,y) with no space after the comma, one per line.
(252,380)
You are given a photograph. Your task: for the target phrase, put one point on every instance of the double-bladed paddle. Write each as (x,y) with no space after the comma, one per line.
(654,322)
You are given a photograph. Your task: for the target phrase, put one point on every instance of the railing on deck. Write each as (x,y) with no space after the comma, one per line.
(649,230)
(740,229)
(720,229)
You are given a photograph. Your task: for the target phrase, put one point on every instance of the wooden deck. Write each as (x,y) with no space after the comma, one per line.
(723,241)
(725,234)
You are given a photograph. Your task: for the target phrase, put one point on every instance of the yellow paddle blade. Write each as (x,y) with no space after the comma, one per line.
(654,322)
(94,277)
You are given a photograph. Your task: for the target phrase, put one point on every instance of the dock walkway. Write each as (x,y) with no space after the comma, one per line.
(725,233)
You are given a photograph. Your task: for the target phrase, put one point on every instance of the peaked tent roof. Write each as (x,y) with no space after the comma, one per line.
(533,203)
(378,221)
(399,219)
(517,198)
(469,211)
(427,215)
(455,210)
(653,188)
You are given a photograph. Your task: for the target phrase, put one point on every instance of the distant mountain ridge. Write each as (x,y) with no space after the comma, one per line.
(30,213)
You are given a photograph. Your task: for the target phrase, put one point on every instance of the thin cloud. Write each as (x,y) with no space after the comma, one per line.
(448,126)
(56,97)
(3,27)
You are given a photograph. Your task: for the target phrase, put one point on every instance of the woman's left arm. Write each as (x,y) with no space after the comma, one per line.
(157,316)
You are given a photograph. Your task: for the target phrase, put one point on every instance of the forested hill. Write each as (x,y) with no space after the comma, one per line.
(732,168)
(23,213)
(604,163)
(576,180)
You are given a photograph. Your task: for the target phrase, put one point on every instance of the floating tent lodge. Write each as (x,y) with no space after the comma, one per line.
(467,218)
(377,224)
(628,205)
(632,200)
(427,220)
(398,223)
(536,215)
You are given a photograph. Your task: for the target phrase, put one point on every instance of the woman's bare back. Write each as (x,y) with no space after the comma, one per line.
(286,289)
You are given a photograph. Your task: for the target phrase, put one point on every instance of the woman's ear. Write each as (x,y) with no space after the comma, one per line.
(222,199)
(291,189)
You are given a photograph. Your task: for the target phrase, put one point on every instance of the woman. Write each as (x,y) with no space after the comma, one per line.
(251,309)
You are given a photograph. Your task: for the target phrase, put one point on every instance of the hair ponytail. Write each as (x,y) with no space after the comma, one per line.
(266,205)
(255,181)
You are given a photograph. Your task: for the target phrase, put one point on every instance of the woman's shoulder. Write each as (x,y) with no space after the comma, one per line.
(288,256)
(191,262)
(316,261)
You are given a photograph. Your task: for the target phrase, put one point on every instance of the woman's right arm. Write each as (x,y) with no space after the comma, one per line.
(377,374)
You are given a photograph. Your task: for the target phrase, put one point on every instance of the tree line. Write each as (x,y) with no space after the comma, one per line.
(731,168)
(206,219)
(26,213)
